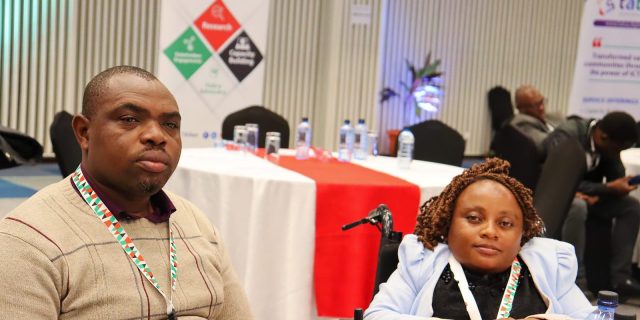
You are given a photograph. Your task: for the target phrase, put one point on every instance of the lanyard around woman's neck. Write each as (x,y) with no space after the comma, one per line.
(470,302)
(115,228)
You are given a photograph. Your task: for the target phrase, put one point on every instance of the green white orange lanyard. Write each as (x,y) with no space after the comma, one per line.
(470,302)
(116,229)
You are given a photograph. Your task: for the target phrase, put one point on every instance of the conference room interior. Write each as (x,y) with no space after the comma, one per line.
(325,60)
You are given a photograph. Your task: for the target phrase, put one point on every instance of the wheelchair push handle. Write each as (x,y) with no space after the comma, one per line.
(380,217)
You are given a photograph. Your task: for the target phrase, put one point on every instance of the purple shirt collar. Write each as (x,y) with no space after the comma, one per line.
(160,202)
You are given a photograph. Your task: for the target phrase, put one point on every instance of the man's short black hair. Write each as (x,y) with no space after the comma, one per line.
(97,86)
(619,126)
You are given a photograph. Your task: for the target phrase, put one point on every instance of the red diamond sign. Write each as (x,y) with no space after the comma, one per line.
(217,24)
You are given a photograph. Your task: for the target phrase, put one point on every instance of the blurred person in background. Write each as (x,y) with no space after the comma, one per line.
(604,188)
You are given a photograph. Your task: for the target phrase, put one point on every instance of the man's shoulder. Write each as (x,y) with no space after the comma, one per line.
(37,202)
(553,118)
(41,220)
(575,124)
(521,118)
(189,216)
(180,202)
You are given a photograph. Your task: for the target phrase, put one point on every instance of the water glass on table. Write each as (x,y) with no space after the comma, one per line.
(272,145)
(252,137)
(239,137)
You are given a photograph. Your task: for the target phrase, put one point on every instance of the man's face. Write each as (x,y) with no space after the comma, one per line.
(133,140)
(533,104)
(486,227)
(606,146)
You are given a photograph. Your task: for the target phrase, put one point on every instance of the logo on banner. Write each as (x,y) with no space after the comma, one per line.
(188,53)
(597,42)
(241,56)
(607,6)
(217,24)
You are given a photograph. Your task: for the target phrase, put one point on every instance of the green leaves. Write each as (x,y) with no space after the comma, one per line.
(418,78)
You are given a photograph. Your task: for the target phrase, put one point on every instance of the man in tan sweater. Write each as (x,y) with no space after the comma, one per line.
(107,242)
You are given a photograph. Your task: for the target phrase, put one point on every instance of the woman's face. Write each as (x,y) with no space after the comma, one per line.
(486,227)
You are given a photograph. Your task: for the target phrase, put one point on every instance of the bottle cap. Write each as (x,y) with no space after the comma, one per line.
(624,315)
(347,121)
(357,313)
(361,121)
(305,119)
(607,298)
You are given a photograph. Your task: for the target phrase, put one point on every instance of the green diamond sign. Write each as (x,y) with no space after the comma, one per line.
(187,53)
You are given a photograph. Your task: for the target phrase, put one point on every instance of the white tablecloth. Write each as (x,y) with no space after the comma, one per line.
(631,160)
(266,215)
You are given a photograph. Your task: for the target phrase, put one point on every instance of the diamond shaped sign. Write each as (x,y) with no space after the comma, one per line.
(188,53)
(217,24)
(241,56)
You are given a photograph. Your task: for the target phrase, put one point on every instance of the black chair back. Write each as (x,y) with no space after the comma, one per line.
(437,142)
(387,258)
(266,119)
(65,145)
(512,145)
(562,171)
(499,100)
(17,148)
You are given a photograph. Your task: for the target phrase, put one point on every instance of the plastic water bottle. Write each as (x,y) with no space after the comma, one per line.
(345,145)
(405,149)
(607,304)
(360,141)
(303,139)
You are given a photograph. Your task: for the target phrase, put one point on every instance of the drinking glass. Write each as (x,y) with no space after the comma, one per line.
(272,145)
(372,139)
(239,137)
(252,137)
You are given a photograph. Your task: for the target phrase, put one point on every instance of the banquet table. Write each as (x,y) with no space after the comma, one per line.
(267,215)
(631,160)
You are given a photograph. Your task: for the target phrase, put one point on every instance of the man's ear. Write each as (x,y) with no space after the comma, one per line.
(80,125)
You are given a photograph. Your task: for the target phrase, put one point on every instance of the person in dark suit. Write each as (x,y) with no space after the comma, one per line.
(532,119)
(602,141)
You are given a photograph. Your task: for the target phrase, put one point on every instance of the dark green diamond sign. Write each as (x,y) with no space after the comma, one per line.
(188,53)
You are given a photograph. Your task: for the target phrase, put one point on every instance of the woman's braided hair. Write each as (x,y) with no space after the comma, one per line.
(435,214)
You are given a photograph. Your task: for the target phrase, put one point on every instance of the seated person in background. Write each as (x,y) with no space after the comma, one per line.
(602,141)
(531,118)
(533,121)
(84,247)
(476,245)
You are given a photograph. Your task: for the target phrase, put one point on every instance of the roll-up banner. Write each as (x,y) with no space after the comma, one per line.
(212,60)
(607,74)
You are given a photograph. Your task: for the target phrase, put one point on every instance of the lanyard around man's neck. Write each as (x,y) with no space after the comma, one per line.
(470,302)
(115,228)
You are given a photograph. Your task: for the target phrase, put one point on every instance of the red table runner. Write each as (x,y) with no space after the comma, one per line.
(345,261)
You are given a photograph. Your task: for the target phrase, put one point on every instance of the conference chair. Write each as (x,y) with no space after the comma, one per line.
(500,106)
(65,145)
(512,145)
(597,253)
(17,148)
(266,119)
(638,129)
(387,264)
(387,258)
(556,187)
(437,142)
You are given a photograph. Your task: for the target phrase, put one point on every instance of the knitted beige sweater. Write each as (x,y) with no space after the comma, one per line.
(59,261)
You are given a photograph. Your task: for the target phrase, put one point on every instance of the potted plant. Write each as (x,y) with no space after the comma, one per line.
(423,94)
